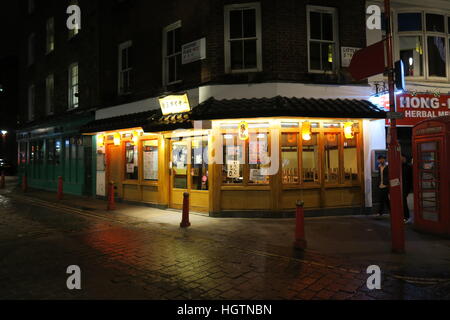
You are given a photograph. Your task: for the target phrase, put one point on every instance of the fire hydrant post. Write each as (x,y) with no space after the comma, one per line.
(60,188)
(185,221)
(111,200)
(300,241)
(2,180)
(24,183)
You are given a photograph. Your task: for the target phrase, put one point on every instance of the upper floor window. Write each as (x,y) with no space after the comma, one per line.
(172,53)
(50,94)
(31,102)
(125,67)
(322,39)
(423,40)
(243,49)
(50,43)
(31,48)
(73,86)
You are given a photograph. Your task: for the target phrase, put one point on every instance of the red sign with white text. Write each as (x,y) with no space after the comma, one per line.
(418,107)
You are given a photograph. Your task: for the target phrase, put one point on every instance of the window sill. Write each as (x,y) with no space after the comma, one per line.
(243,71)
(322,72)
(246,188)
(174,83)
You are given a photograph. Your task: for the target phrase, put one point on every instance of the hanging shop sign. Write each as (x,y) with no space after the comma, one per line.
(193,51)
(243,131)
(416,107)
(174,104)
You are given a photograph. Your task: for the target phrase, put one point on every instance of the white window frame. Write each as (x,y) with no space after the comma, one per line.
(72,87)
(227,9)
(31,49)
(50,35)
(424,34)
(165,75)
(50,94)
(336,54)
(123,46)
(31,102)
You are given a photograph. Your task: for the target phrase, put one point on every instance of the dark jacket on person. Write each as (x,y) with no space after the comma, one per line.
(407,178)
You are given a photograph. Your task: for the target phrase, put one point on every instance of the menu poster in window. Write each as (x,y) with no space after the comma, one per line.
(100,162)
(257,152)
(256,175)
(233,169)
(151,163)
(130,167)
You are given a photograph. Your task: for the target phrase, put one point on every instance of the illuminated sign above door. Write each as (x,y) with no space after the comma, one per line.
(174,104)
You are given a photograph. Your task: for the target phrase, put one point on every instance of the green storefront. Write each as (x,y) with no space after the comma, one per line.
(56,148)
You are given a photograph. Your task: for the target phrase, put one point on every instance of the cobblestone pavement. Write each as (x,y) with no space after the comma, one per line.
(126,258)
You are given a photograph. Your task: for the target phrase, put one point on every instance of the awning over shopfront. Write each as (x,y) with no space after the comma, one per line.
(213,109)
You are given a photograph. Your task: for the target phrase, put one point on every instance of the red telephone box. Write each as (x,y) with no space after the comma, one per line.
(431,149)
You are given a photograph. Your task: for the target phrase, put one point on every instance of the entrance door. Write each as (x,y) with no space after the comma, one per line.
(189,172)
(113,171)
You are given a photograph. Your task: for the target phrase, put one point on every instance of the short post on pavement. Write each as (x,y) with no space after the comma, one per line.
(2,180)
(300,241)
(185,220)
(60,188)
(111,197)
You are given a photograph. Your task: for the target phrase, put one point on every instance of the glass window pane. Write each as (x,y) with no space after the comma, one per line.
(315,26)
(172,69)
(411,53)
(170,47)
(179,164)
(259,160)
(350,160)
(150,160)
(435,23)
(289,157)
(250,54)
(314,56)
(409,22)
(310,158)
(332,157)
(327,56)
(327,26)
(131,162)
(437,56)
(199,167)
(236,55)
(233,156)
(177,40)
(249,23)
(236,28)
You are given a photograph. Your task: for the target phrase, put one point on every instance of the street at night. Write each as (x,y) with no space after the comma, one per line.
(143,254)
(225,158)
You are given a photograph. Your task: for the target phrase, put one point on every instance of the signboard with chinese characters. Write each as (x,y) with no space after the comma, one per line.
(347,55)
(417,107)
(233,169)
(175,104)
(193,51)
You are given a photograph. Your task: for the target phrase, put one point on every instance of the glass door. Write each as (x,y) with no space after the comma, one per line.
(180,164)
(429,180)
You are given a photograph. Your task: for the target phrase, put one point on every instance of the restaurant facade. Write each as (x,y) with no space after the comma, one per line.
(242,156)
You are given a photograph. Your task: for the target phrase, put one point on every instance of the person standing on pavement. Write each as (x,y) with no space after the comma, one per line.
(383,185)
(407,183)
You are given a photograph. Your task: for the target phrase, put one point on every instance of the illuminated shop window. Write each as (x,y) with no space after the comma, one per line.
(199,164)
(331,155)
(259,160)
(150,160)
(350,160)
(131,161)
(233,155)
(289,158)
(180,155)
(310,159)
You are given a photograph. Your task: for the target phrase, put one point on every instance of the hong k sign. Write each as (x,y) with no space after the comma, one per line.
(193,51)
(419,107)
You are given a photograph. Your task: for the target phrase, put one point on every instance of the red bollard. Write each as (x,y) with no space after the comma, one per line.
(300,241)
(111,200)
(60,188)
(24,183)
(185,221)
(2,180)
